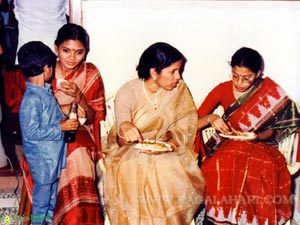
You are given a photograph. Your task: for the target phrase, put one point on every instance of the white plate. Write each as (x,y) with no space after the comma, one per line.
(246,136)
(154,146)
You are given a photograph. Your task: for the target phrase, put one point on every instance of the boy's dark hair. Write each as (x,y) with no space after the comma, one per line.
(34,56)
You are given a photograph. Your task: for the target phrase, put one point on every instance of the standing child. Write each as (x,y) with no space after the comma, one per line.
(42,124)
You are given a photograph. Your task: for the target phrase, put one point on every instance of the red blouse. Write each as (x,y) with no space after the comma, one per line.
(222,95)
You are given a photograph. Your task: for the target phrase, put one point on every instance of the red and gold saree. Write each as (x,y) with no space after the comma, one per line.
(77,198)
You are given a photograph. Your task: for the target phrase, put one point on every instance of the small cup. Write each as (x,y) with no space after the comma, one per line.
(59,81)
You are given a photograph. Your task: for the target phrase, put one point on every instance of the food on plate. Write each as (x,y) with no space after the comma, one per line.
(156,146)
(240,135)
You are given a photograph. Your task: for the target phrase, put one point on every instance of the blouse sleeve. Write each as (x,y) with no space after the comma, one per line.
(124,101)
(220,95)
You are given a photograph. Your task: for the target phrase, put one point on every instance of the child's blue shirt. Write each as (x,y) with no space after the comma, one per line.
(44,147)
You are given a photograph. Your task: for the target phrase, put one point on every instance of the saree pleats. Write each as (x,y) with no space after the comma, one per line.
(77,198)
(247,184)
(143,191)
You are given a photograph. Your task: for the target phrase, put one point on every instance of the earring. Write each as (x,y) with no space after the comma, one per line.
(154,78)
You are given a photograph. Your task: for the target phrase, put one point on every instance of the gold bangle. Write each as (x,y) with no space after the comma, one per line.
(120,136)
(80,97)
(172,145)
(208,119)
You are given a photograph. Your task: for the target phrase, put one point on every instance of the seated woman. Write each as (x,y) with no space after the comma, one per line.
(144,186)
(247,181)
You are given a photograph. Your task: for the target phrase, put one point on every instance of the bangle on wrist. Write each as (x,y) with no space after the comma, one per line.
(120,136)
(172,145)
(257,137)
(208,119)
(79,96)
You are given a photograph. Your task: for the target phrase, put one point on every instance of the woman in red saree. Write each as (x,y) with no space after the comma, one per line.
(77,198)
(247,181)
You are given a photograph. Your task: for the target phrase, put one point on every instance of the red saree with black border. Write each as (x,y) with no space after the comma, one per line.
(247,182)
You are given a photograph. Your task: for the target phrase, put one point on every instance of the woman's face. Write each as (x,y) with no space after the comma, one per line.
(70,53)
(242,78)
(169,77)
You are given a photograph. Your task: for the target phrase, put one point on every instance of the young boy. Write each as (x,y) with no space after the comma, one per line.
(42,124)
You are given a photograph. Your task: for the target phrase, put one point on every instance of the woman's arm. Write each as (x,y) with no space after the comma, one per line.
(264,135)
(221,95)
(89,112)
(128,133)
(125,100)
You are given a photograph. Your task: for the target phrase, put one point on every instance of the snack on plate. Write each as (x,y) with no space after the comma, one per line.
(239,135)
(156,146)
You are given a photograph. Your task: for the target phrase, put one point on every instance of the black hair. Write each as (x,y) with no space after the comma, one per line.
(158,56)
(71,31)
(34,56)
(249,58)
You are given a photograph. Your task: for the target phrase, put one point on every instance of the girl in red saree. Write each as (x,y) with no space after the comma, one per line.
(77,198)
(247,181)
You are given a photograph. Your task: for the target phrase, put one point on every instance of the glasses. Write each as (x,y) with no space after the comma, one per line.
(244,78)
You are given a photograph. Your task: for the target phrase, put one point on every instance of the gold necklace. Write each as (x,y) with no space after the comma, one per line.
(148,98)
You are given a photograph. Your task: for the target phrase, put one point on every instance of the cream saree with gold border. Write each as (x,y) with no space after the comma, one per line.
(154,189)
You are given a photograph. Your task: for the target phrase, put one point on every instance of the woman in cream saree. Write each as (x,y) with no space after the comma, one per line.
(150,188)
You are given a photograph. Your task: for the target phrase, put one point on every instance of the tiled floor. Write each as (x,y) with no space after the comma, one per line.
(11,183)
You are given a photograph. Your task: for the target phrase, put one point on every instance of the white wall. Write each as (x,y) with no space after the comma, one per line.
(207,32)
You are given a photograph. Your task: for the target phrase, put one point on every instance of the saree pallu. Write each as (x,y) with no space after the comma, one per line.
(77,198)
(265,106)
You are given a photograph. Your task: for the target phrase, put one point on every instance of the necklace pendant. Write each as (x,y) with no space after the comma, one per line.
(154,104)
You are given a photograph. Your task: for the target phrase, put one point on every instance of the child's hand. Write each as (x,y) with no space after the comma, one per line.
(69,124)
